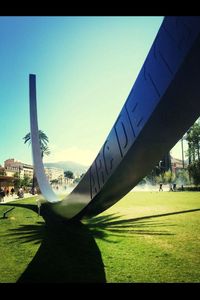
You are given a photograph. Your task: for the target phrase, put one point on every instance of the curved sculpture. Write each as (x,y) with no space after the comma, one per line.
(163,103)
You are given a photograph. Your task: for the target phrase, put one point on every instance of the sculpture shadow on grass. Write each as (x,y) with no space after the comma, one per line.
(66,254)
(113,224)
(68,251)
(32,207)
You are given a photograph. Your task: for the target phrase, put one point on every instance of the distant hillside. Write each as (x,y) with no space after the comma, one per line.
(68,166)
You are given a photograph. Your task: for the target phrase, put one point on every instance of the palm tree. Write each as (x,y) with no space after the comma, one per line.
(43,140)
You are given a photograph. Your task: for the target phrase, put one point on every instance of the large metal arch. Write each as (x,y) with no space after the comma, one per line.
(163,103)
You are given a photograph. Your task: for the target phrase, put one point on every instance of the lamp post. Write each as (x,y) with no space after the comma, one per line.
(161,166)
(182,153)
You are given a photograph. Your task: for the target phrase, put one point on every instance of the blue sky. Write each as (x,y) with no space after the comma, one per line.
(85,68)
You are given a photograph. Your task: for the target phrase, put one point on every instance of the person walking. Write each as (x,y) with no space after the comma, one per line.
(174,187)
(2,195)
(12,192)
(38,205)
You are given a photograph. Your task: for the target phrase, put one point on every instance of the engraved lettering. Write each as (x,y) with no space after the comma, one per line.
(93,182)
(165,62)
(100,170)
(129,120)
(124,132)
(154,85)
(111,152)
(120,149)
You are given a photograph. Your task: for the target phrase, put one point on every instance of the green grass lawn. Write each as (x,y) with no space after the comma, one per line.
(145,237)
(15,253)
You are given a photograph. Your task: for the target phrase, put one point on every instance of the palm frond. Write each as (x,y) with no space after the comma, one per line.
(43,140)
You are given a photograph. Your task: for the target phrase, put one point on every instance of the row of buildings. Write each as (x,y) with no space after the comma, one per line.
(12,167)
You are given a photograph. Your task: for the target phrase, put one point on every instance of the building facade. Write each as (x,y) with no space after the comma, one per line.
(54,174)
(177,164)
(12,166)
(23,170)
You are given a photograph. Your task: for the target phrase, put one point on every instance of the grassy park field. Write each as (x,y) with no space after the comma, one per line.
(147,237)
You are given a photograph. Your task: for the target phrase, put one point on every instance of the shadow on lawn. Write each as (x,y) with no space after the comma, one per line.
(69,253)
(113,224)
(66,254)
(28,206)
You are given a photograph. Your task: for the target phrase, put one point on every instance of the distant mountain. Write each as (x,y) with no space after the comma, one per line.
(68,166)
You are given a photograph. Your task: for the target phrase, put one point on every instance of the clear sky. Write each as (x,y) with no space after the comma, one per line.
(85,68)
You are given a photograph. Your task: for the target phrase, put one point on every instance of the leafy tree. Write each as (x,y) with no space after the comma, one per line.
(77,180)
(169,177)
(43,140)
(69,174)
(193,139)
(193,153)
(54,181)
(194,171)
(17,181)
(26,181)
(2,173)
(182,177)
(158,179)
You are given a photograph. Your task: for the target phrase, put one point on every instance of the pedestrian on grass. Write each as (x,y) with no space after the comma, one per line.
(12,192)
(2,195)
(160,188)
(38,205)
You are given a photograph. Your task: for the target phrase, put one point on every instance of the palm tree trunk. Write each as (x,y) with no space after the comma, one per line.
(34,184)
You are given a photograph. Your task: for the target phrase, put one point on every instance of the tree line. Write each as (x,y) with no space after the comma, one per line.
(186,176)
(193,152)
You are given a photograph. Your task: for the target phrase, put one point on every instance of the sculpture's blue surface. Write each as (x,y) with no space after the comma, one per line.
(163,103)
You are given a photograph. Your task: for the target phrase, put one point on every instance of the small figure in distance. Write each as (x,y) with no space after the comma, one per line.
(160,187)
(20,193)
(38,201)
(12,192)
(2,195)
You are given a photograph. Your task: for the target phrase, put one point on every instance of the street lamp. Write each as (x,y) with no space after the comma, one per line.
(182,153)
(182,150)
(160,165)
